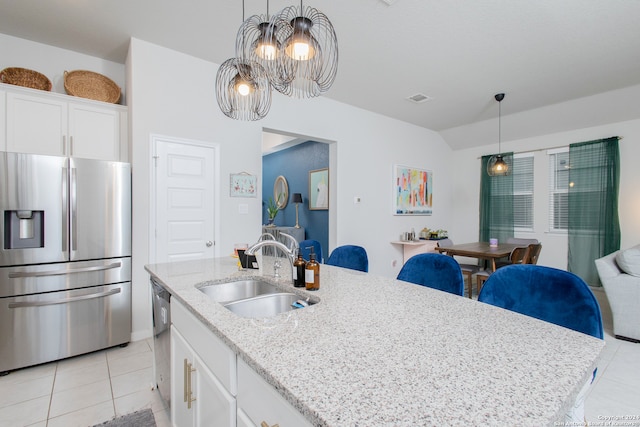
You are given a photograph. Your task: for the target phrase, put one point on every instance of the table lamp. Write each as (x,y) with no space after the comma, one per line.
(297,199)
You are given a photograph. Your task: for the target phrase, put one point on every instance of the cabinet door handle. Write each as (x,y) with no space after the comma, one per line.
(190,397)
(185,372)
(64,145)
(264,424)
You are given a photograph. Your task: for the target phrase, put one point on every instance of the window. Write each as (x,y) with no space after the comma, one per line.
(523,192)
(559,190)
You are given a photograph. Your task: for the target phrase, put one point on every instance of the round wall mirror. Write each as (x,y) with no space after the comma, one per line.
(281,192)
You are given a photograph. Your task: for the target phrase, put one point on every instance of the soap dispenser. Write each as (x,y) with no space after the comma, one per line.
(299,267)
(312,273)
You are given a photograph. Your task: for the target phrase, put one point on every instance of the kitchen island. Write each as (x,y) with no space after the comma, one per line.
(376,351)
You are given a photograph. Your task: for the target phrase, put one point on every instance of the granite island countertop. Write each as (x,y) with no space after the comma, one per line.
(376,351)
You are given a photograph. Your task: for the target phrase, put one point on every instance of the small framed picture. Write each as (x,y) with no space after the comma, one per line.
(319,189)
(243,185)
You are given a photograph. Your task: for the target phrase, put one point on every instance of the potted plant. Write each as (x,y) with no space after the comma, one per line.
(272,210)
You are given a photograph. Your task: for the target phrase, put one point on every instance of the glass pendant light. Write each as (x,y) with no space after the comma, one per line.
(497,165)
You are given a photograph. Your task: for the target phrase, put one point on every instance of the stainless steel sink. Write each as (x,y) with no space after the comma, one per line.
(264,305)
(238,290)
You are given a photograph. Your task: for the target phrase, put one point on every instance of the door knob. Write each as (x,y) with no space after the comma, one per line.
(209,243)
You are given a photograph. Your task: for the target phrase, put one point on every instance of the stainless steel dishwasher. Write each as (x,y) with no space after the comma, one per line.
(161,305)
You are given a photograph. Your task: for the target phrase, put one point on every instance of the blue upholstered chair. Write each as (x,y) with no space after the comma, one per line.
(468,270)
(552,295)
(435,271)
(349,256)
(317,249)
(546,293)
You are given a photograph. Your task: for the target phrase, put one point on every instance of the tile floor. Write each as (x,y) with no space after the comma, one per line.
(93,388)
(82,391)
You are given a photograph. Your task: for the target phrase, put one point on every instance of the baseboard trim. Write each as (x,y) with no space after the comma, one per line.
(633,340)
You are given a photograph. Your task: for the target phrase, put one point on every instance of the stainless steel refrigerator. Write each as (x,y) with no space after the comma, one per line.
(65,257)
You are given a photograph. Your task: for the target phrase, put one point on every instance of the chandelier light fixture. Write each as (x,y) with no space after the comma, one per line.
(243,89)
(496,165)
(294,52)
(309,52)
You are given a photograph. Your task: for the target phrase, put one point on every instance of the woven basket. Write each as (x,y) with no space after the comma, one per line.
(25,77)
(87,84)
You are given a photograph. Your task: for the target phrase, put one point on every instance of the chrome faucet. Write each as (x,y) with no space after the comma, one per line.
(266,236)
(293,243)
(288,253)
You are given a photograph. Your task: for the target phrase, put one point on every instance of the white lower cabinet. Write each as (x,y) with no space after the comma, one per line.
(259,404)
(212,387)
(198,396)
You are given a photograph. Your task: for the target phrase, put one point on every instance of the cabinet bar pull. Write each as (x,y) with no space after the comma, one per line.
(264,424)
(64,145)
(184,378)
(190,397)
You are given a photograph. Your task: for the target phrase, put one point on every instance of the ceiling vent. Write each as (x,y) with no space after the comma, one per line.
(419,98)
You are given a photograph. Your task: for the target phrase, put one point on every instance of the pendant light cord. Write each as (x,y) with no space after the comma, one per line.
(499,127)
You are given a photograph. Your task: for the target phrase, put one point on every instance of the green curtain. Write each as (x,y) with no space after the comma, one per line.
(496,203)
(594,229)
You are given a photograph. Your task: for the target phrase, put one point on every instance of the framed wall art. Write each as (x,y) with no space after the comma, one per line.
(243,184)
(319,189)
(413,191)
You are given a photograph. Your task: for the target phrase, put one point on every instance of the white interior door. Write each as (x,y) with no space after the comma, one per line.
(184,200)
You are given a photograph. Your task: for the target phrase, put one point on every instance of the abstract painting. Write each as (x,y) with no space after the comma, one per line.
(413,191)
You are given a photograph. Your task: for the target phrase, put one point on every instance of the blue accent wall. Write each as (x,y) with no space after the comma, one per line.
(294,164)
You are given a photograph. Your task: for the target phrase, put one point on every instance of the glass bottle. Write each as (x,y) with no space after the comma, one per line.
(312,273)
(299,266)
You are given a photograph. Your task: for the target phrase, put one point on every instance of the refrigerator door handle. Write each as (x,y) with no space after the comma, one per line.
(65,210)
(74,226)
(64,300)
(19,274)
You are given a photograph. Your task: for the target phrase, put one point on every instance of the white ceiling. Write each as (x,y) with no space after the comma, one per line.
(459,52)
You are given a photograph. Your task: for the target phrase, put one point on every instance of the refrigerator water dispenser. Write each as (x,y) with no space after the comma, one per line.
(23,229)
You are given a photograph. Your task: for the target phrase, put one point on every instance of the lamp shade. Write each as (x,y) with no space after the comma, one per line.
(309,52)
(297,198)
(243,90)
(258,40)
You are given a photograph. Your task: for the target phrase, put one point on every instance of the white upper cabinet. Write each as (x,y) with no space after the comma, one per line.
(94,132)
(58,125)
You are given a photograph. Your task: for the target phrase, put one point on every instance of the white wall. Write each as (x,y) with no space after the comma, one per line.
(53,62)
(554,246)
(173,94)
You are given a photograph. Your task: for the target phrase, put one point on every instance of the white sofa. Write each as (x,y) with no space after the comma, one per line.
(620,276)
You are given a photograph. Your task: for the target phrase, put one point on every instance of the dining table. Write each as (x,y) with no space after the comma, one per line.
(480,250)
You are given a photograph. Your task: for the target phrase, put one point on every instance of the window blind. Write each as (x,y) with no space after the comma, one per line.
(523,192)
(559,190)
